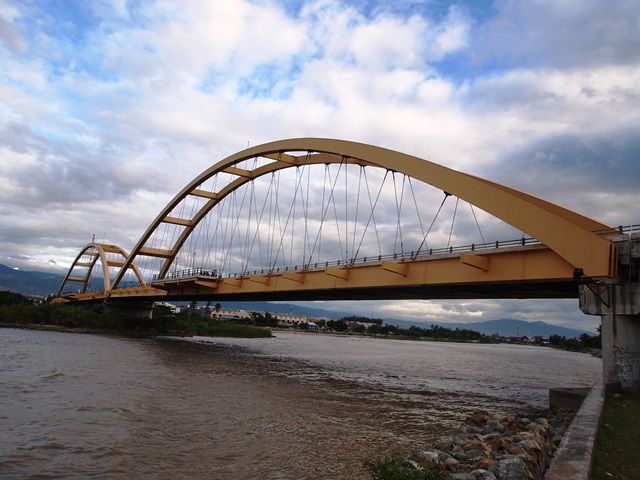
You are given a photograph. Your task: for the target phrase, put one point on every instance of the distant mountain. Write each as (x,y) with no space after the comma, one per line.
(32,283)
(28,282)
(43,283)
(508,327)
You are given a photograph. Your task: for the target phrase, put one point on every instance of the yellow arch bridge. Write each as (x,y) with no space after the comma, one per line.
(561,248)
(315,218)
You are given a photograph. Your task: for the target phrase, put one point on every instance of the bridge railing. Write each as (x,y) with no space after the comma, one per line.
(191,272)
(404,256)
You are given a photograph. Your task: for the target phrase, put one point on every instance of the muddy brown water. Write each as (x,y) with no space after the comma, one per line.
(297,406)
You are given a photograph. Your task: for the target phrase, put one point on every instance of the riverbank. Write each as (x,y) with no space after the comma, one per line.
(487,447)
(96,319)
(220,330)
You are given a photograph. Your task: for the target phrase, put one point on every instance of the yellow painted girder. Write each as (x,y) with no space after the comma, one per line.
(521,264)
(155,252)
(185,222)
(76,278)
(142,291)
(203,193)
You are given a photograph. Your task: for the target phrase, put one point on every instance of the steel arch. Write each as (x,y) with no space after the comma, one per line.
(576,238)
(101,250)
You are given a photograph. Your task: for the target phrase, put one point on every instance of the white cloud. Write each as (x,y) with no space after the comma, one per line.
(117,123)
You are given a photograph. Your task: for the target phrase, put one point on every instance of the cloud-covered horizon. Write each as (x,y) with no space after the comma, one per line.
(109,108)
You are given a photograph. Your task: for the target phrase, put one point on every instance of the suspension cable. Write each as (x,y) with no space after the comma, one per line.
(264,204)
(476,219)
(332,199)
(355,222)
(424,239)
(415,203)
(292,208)
(453,220)
(371,215)
(325,214)
(305,204)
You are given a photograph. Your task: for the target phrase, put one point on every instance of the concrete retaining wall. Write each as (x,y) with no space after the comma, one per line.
(574,455)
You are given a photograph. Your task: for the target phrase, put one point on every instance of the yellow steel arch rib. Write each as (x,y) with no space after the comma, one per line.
(575,238)
(98,251)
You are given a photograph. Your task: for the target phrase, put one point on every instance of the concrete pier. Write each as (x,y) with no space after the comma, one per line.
(617,302)
(129,308)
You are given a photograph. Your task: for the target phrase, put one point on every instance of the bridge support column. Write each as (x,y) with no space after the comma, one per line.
(129,308)
(618,305)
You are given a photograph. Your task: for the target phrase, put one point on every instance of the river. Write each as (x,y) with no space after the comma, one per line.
(297,406)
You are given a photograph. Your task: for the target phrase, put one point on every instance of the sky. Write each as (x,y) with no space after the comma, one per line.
(108,108)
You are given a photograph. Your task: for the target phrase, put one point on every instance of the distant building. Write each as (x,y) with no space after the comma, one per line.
(290,320)
(227,314)
(173,308)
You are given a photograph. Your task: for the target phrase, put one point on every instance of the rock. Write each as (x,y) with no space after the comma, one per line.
(510,467)
(482,474)
(450,463)
(534,427)
(475,454)
(461,476)
(476,444)
(444,443)
(412,466)
(458,441)
(525,421)
(515,450)
(477,419)
(485,463)
(430,456)
(529,444)
(542,421)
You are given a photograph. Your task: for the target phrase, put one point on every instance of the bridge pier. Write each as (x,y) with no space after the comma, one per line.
(129,308)
(618,305)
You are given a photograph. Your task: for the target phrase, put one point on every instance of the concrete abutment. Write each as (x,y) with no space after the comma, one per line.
(618,305)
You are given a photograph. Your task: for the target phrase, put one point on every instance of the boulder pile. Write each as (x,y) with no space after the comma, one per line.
(496,447)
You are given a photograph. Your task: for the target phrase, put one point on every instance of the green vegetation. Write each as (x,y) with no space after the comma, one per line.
(194,323)
(10,298)
(397,469)
(580,344)
(434,332)
(616,453)
(19,311)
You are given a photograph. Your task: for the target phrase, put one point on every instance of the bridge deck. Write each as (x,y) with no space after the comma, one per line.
(530,271)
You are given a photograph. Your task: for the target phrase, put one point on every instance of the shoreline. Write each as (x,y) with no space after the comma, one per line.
(44,327)
(151,333)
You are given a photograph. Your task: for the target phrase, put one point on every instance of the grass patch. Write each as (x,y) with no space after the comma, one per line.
(616,453)
(397,469)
